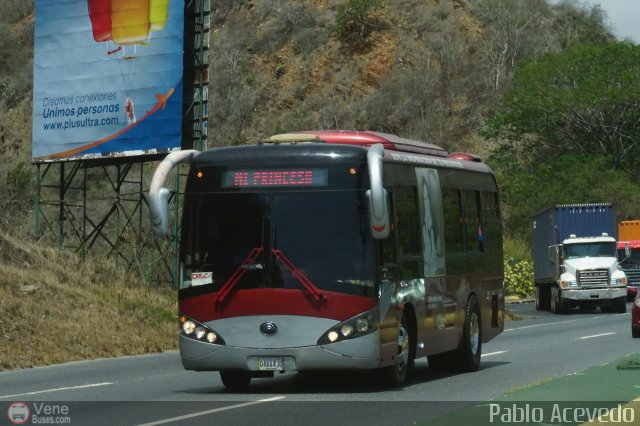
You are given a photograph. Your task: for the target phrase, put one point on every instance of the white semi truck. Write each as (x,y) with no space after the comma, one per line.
(575,259)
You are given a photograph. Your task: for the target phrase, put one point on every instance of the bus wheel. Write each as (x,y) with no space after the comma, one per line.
(471,350)
(395,375)
(235,380)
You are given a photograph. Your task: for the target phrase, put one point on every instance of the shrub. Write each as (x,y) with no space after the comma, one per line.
(518,278)
(355,20)
(19,184)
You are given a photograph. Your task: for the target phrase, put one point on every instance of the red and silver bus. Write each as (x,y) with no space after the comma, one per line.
(329,250)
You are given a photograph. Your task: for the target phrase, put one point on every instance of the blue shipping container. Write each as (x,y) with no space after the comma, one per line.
(556,223)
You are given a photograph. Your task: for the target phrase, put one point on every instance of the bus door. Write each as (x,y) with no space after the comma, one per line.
(433,258)
(390,312)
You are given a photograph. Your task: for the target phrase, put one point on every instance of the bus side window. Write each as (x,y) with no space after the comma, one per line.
(453,220)
(407,218)
(491,221)
(409,233)
(473,221)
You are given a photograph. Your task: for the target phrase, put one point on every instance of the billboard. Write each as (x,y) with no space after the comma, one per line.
(107,78)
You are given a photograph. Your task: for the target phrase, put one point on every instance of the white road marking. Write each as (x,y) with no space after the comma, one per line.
(596,335)
(92,385)
(215,410)
(610,315)
(493,353)
(540,325)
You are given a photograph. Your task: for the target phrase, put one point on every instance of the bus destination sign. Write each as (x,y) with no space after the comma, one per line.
(274,178)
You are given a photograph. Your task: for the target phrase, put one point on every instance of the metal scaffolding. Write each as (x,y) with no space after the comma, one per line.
(100,207)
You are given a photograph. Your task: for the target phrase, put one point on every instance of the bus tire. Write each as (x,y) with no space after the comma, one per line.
(235,380)
(470,352)
(396,374)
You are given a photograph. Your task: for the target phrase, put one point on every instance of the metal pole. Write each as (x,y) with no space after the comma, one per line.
(61,210)
(84,211)
(118,206)
(37,200)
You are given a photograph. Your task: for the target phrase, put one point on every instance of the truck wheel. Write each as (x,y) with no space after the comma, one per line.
(554,300)
(558,306)
(620,305)
(235,380)
(543,302)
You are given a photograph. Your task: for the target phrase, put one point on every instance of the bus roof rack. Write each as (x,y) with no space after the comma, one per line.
(361,138)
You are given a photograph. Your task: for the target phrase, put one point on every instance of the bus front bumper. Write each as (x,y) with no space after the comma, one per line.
(594,294)
(358,353)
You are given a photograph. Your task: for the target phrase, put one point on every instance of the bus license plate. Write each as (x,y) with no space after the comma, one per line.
(270,364)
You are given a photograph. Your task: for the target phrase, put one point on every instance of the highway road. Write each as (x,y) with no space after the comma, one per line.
(154,389)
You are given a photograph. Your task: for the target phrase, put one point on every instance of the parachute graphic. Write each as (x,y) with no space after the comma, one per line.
(126,22)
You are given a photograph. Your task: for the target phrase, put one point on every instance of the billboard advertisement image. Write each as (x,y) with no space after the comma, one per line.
(107,78)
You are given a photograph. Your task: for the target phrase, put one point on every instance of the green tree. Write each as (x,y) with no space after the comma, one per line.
(585,100)
(528,187)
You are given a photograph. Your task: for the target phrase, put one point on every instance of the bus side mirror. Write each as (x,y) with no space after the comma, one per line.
(377,195)
(159,196)
(159,211)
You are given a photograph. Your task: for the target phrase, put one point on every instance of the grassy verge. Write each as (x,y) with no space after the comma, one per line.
(56,307)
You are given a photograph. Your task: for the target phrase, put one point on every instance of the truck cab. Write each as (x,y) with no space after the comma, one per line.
(588,275)
(630,264)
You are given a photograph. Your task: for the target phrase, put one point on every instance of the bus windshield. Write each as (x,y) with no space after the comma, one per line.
(605,249)
(275,237)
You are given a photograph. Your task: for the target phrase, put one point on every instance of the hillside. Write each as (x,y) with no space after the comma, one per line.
(56,307)
(431,70)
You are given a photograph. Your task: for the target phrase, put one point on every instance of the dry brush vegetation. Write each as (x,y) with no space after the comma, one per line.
(56,307)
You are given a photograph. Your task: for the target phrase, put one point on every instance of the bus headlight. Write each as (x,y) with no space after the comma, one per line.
(188,327)
(357,326)
(212,337)
(196,331)
(362,324)
(200,332)
(346,330)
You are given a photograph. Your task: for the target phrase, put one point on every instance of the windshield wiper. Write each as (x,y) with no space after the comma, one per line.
(242,269)
(300,276)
